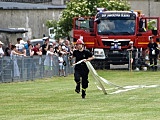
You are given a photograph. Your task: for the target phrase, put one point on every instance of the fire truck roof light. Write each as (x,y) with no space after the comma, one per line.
(81,19)
(101,9)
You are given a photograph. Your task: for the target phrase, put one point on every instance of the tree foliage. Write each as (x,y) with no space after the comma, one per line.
(152,25)
(77,8)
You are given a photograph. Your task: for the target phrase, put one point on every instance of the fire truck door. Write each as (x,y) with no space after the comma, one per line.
(85,28)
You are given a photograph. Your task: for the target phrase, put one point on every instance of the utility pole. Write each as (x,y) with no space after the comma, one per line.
(149,8)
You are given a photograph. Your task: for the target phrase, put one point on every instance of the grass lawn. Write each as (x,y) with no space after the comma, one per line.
(54,99)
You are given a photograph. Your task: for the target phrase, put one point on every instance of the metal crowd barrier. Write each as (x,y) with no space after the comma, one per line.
(31,68)
(21,68)
(127,60)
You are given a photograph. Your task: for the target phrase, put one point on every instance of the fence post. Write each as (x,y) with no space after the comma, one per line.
(129,65)
(22,68)
(12,70)
(1,69)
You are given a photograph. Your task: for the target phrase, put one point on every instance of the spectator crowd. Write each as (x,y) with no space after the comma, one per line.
(60,49)
(48,49)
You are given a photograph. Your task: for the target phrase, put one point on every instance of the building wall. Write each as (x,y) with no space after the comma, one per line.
(32,20)
(59,2)
(148,7)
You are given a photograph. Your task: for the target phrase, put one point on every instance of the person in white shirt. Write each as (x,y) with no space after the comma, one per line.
(13,56)
(1,55)
(1,50)
(48,62)
(18,46)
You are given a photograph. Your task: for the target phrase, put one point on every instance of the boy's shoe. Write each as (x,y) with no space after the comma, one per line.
(83,93)
(83,96)
(77,88)
(77,91)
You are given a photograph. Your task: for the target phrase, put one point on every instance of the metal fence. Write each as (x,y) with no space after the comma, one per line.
(129,60)
(30,68)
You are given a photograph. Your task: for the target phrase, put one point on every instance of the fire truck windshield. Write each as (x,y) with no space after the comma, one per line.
(116,27)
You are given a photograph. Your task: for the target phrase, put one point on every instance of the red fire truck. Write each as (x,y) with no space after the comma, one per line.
(108,35)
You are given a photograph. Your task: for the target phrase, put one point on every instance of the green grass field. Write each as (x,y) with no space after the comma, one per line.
(54,99)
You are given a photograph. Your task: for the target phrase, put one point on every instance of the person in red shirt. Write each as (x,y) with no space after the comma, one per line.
(36,62)
(36,49)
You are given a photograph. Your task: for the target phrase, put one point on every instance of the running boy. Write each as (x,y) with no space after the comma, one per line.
(81,70)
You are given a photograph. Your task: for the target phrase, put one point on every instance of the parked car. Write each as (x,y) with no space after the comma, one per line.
(41,41)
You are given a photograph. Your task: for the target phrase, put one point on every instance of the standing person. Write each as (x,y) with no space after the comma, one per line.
(13,56)
(133,56)
(36,49)
(45,46)
(26,46)
(61,65)
(8,50)
(18,45)
(153,53)
(48,62)
(67,45)
(81,70)
(37,59)
(29,60)
(1,49)
(7,53)
(1,55)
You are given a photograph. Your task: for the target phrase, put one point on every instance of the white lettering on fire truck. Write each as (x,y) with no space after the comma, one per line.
(118,15)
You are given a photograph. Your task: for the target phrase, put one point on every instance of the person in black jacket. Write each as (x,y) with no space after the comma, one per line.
(45,46)
(153,53)
(81,70)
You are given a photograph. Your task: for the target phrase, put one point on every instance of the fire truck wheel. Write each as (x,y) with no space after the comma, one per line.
(107,66)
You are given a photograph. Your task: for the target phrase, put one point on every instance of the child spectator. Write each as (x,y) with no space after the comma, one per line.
(61,66)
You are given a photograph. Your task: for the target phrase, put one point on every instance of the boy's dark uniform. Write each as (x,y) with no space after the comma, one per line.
(81,70)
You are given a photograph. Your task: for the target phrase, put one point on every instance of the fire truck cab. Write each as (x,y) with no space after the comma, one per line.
(108,35)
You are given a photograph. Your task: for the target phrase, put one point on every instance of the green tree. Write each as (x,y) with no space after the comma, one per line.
(77,8)
(152,25)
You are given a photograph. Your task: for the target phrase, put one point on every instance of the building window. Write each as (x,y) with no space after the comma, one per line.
(156,0)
